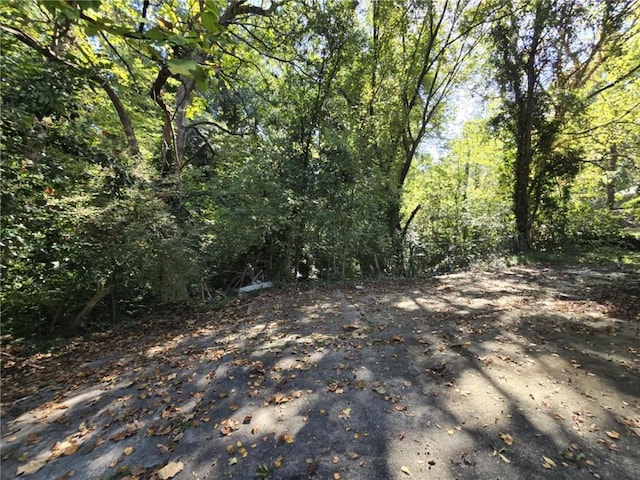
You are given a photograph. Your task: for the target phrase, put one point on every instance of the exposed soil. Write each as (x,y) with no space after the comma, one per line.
(522,372)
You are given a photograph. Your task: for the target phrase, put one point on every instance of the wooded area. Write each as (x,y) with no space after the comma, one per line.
(156,152)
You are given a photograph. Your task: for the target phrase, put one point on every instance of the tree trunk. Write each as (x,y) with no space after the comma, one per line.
(521,200)
(123,115)
(521,205)
(612,164)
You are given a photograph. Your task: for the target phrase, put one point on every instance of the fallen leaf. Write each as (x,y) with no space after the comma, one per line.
(336,476)
(379,389)
(405,470)
(170,470)
(548,463)
(286,438)
(504,459)
(228,426)
(71,449)
(613,434)
(128,451)
(352,455)
(32,467)
(277,463)
(129,430)
(629,422)
(506,438)
(242,450)
(335,387)
(232,461)
(345,414)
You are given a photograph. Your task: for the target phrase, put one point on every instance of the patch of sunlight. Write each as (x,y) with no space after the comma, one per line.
(408,305)
(476,402)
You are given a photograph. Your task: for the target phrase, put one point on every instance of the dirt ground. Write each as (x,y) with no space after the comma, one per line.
(513,373)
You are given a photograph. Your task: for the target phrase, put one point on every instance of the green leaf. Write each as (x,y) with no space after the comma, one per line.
(182,66)
(155,34)
(213,7)
(179,41)
(210,22)
(61,5)
(87,4)
(90,30)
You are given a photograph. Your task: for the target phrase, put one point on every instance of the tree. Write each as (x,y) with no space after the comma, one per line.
(465,212)
(418,53)
(89,221)
(544,53)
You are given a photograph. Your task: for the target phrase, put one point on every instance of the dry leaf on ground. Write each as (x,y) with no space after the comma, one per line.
(548,463)
(170,470)
(506,438)
(32,467)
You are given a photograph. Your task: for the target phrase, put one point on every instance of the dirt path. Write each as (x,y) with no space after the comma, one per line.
(523,372)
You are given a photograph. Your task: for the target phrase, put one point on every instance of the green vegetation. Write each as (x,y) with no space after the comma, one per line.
(159,153)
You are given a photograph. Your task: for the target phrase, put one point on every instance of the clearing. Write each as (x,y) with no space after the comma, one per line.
(517,372)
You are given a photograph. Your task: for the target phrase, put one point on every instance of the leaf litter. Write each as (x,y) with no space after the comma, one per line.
(173,380)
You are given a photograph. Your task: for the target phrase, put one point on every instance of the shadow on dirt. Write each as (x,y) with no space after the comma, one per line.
(520,373)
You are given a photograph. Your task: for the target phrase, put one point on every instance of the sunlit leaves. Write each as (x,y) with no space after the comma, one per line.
(182,66)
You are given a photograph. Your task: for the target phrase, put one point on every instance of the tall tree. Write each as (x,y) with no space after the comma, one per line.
(544,52)
(419,50)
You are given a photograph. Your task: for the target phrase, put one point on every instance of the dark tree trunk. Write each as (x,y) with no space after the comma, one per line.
(526,99)
(612,164)
(521,194)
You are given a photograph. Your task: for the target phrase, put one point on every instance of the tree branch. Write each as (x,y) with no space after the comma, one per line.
(237,8)
(411,217)
(125,119)
(614,83)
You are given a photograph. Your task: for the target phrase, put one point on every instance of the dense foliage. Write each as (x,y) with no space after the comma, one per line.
(160,152)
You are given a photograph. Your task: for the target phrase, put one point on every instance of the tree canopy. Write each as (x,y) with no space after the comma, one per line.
(160,152)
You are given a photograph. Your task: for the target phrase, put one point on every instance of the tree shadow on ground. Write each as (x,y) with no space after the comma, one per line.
(471,375)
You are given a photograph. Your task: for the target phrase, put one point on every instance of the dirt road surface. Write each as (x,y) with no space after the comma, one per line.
(528,372)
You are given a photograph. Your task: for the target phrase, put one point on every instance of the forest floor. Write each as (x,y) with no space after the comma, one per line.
(517,372)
